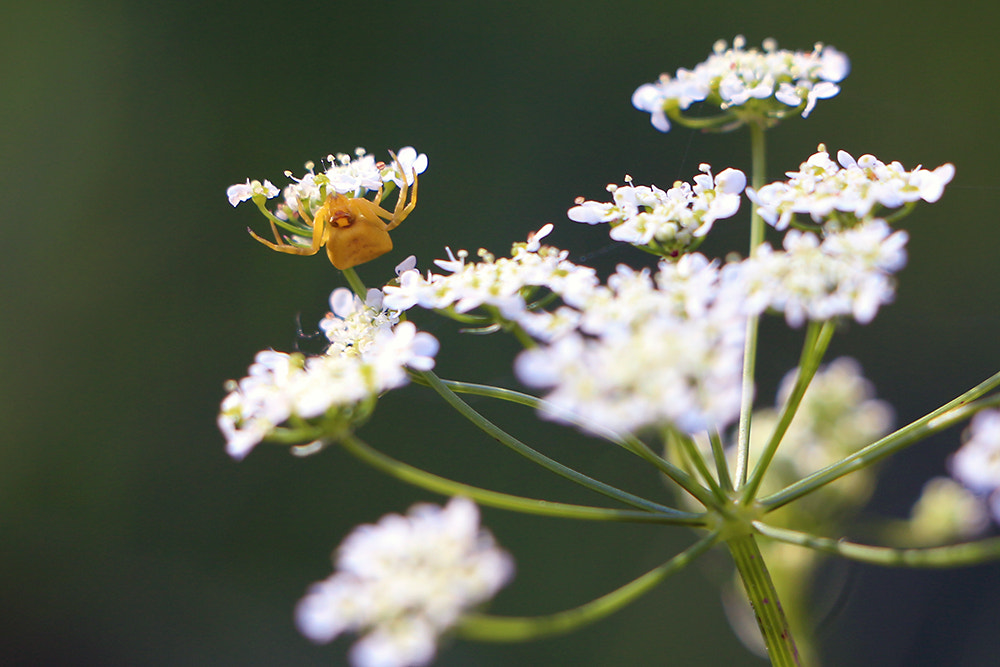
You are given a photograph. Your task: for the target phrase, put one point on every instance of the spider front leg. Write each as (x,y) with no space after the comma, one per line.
(402,208)
(319,234)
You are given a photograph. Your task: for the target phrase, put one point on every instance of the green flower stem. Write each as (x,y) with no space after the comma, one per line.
(953,555)
(692,454)
(817,340)
(630,443)
(533,455)
(721,463)
(482,627)
(354,280)
(447,487)
(947,415)
(764,599)
(758,175)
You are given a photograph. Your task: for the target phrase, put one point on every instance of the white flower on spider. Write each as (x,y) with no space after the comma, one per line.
(407,162)
(738,77)
(848,190)
(244,191)
(673,219)
(404,581)
(354,176)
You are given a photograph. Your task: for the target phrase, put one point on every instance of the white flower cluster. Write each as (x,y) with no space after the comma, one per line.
(344,175)
(650,351)
(367,356)
(499,283)
(826,190)
(673,219)
(846,274)
(977,463)
(404,581)
(734,77)
(352,325)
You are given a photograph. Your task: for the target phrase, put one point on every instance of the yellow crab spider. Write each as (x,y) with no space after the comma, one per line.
(351,228)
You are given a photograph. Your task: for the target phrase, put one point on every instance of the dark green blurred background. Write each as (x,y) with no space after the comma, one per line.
(130,291)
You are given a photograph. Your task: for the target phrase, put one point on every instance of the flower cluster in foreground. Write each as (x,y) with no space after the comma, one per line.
(768,83)
(405,581)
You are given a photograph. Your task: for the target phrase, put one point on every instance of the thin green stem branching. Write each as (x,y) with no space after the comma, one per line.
(952,555)
(483,627)
(626,441)
(501,436)
(817,340)
(758,148)
(949,414)
(448,487)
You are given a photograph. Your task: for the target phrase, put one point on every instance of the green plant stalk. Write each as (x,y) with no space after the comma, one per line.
(627,442)
(817,340)
(952,555)
(354,280)
(947,415)
(692,454)
(504,438)
(760,589)
(483,627)
(447,487)
(721,464)
(758,148)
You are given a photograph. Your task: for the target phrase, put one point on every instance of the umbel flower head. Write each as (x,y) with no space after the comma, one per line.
(746,85)
(404,581)
(299,399)
(666,223)
(841,194)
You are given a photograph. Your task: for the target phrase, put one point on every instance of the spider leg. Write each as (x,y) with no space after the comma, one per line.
(318,236)
(403,208)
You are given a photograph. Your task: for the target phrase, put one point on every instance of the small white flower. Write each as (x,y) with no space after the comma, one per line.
(408,162)
(404,581)
(244,191)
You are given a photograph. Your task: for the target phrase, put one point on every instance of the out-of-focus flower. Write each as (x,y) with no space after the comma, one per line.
(404,581)
(977,463)
(844,274)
